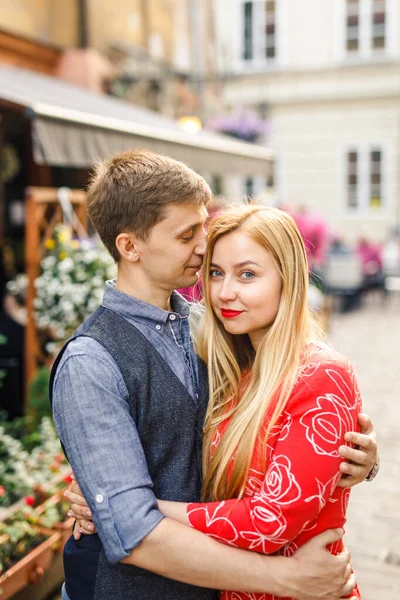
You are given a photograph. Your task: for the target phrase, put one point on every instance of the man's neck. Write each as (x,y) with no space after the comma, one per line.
(140,288)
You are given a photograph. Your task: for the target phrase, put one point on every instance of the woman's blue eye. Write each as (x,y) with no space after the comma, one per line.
(215,273)
(247,275)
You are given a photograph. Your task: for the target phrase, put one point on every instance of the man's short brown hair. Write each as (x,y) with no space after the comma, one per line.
(131,190)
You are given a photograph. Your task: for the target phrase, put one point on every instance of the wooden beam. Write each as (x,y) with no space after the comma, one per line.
(40,225)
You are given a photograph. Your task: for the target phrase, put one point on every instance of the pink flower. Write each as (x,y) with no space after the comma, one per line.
(2,491)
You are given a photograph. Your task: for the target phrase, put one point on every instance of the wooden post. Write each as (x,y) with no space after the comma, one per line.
(43,213)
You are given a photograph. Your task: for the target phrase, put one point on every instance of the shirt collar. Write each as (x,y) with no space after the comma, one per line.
(132,308)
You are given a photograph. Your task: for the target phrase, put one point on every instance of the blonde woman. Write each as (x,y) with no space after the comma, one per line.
(280,401)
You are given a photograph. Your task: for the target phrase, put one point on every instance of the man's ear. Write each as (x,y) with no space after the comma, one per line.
(127,246)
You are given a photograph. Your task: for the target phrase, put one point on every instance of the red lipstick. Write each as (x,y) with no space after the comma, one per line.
(230,314)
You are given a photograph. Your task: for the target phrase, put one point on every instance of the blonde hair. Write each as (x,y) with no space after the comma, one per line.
(265,389)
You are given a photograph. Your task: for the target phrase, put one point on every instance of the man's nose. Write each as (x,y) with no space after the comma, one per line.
(201,246)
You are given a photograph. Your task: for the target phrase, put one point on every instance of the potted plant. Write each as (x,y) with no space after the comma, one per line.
(26,553)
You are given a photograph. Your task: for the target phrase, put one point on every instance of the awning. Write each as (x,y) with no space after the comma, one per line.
(74,127)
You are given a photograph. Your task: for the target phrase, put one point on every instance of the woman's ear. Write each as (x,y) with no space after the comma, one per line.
(127,246)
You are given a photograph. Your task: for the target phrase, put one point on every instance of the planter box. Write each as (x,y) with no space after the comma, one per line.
(62,527)
(65,530)
(29,569)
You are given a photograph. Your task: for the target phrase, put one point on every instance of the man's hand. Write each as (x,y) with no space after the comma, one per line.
(80,511)
(362,457)
(315,573)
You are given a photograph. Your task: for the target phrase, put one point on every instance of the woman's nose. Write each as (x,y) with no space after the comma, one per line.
(227,292)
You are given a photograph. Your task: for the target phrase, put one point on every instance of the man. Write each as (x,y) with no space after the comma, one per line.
(129,398)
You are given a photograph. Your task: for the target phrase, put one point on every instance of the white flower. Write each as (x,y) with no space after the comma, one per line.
(66,265)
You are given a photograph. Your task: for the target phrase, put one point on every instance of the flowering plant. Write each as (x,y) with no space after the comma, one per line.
(17,538)
(24,473)
(70,286)
(245,125)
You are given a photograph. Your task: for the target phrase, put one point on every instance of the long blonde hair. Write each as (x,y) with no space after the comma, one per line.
(273,366)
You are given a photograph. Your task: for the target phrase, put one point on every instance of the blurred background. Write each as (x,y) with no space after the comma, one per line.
(293,102)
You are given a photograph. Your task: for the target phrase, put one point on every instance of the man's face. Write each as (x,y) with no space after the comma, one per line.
(172,256)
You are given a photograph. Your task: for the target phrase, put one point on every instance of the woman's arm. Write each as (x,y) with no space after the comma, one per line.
(303,471)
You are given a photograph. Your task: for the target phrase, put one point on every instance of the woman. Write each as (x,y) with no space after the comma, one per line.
(280,402)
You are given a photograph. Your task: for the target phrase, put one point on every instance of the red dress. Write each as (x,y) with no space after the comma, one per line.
(296,496)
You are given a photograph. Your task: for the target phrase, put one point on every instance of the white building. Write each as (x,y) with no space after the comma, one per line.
(326,73)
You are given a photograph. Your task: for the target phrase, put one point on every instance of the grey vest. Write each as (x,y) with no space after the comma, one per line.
(169,422)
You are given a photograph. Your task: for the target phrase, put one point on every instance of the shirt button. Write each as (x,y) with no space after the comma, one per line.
(99,498)
(158,327)
(172,317)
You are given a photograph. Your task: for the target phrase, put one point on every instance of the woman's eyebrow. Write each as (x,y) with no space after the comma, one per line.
(246,262)
(238,265)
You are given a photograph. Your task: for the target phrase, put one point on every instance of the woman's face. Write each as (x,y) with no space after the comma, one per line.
(245,286)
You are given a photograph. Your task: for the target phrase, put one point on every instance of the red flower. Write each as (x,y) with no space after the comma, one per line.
(2,491)
(68,479)
(29,500)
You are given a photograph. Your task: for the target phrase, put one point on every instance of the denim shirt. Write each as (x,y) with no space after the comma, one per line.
(99,434)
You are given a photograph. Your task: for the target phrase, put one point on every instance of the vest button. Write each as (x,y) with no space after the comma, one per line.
(99,498)
(172,317)
(158,327)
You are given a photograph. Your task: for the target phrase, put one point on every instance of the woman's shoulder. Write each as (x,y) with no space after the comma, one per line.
(319,358)
(322,352)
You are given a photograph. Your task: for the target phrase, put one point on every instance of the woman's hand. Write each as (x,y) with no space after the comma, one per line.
(362,457)
(79,510)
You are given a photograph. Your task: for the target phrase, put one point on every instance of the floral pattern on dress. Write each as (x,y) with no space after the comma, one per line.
(295,495)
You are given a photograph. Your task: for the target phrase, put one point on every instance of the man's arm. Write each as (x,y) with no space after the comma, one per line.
(179,552)
(92,418)
(176,551)
(362,457)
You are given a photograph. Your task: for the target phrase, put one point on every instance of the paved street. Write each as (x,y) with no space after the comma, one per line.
(371,339)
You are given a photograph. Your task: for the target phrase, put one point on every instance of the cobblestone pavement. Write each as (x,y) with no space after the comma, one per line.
(370,338)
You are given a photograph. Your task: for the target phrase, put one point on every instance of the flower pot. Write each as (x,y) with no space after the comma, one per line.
(31,568)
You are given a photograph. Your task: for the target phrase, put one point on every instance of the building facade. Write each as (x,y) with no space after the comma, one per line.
(154,53)
(327,77)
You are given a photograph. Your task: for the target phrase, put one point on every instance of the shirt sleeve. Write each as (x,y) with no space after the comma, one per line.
(92,419)
(303,468)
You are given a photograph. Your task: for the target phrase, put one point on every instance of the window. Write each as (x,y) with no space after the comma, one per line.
(216,184)
(352,179)
(249,187)
(258,31)
(365,179)
(375,174)
(366,27)
(270,40)
(248,30)
(352,25)
(378,24)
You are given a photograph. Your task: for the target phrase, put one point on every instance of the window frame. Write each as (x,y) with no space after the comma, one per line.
(366,51)
(259,60)
(363,208)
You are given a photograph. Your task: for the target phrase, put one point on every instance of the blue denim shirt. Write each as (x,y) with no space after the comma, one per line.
(100,437)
